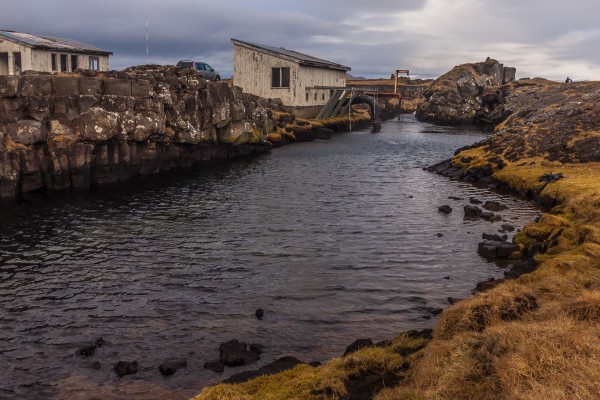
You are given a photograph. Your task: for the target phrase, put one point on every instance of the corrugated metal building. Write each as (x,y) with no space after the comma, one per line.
(302,82)
(23,52)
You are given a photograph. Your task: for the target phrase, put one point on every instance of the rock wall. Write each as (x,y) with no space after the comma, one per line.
(467,94)
(81,130)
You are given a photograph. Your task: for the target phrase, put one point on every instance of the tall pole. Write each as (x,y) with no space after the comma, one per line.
(147,62)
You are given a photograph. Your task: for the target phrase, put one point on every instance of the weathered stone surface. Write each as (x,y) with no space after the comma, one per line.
(90,86)
(161,117)
(27,132)
(116,87)
(65,85)
(11,109)
(467,94)
(36,85)
(96,124)
(9,85)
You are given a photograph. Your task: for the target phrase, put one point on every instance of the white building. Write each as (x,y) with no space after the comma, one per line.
(302,82)
(23,52)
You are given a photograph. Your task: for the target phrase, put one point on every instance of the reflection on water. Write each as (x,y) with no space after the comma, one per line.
(336,240)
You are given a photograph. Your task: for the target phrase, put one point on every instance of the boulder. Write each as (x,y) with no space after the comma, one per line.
(235,353)
(169,367)
(123,368)
(472,211)
(493,205)
(215,366)
(357,345)
(467,94)
(445,209)
(27,132)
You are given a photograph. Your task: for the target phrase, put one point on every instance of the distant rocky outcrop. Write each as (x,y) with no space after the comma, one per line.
(468,94)
(79,130)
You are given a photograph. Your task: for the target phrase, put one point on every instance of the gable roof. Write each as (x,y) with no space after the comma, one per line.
(290,55)
(51,43)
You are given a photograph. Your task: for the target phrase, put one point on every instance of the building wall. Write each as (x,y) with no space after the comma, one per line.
(41,60)
(252,72)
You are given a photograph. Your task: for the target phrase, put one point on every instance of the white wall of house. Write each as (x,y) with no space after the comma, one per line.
(41,60)
(252,71)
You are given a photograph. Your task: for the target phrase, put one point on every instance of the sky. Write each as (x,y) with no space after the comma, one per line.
(546,38)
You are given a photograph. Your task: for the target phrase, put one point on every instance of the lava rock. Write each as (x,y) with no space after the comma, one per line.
(216,366)
(87,351)
(454,198)
(490,216)
(472,211)
(494,237)
(234,353)
(505,250)
(168,368)
(507,228)
(473,200)
(488,249)
(260,313)
(440,235)
(256,348)
(445,209)
(123,368)
(493,205)
(357,345)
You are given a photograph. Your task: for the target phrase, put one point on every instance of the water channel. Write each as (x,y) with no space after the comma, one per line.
(336,240)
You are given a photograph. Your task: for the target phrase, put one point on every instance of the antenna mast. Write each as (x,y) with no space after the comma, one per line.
(147,37)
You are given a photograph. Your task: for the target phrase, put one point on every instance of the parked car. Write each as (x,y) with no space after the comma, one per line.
(205,70)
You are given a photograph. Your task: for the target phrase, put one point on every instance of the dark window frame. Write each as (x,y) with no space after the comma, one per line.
(74,62)
(280,77)
(53,62)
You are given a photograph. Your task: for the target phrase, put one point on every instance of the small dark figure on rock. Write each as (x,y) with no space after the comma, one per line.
(568,80)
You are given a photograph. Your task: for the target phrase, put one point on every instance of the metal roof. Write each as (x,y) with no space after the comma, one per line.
(300,58)
(51,43)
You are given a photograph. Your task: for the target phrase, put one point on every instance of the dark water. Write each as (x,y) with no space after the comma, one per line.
(336,240)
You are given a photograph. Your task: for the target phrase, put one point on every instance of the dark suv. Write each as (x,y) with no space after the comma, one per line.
(203,69)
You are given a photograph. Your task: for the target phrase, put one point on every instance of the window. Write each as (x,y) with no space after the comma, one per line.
(63,63)
(17,62)
(323,96)
(280,77)
(74,65)
(94,63)
(53,62)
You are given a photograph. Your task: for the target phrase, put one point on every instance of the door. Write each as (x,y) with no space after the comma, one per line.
(3,63)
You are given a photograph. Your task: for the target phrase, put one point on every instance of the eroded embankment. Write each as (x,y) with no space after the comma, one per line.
(529,338)
(80,130)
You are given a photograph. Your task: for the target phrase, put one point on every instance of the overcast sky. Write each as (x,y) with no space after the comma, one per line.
(548,38)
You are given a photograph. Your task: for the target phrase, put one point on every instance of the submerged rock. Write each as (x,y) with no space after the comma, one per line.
(168,368)
(235,353)
(123,368)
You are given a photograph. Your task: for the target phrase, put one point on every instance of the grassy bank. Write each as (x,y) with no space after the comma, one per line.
(531,338)
(536,337)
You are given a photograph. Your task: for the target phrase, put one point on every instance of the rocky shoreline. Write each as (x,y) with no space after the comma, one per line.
(534,336)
